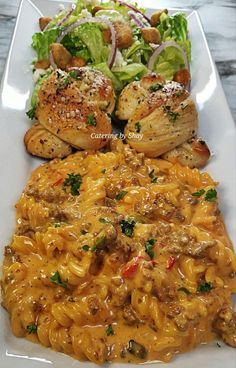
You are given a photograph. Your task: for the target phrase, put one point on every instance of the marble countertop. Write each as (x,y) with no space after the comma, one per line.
(218,19)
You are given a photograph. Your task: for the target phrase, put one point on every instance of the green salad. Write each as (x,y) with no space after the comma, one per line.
(115,37)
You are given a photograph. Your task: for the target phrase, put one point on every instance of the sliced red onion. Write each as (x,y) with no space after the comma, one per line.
(67,15)
(137,21)
(132,8)
(51,59)
(47,26)
(162,47)
(188,87)
(78,23)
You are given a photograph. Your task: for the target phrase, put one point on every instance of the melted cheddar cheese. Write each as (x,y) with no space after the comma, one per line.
(125,264)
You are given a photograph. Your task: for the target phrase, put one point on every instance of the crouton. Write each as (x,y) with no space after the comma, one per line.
(124,37)
(43,22)
(42,64)
(151,35)
(99,7)
(182,76)
(61,56)
(155,17)
(106,33)
(76,62)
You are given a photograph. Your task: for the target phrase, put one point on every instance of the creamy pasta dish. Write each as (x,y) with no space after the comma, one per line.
(118,257)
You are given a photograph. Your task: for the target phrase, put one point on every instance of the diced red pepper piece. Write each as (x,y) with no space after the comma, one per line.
(170,263)
(59,181)
(163,245)
(131,268)
(154,262)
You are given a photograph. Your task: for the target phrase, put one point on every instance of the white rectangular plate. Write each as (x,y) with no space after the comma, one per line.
(216,126)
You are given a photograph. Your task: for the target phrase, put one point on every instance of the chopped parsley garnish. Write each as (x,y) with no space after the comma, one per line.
(109,330)
(218,344)
(199,193)
(31,328)
(178,93)
(57,224)
(149,247)
(127,227)
(155,87)
(64,82)
(172,116)
(56,279)
(211,195)
(105,220)
(83,232)
(31,113)
(73,74)
(67,81)
(152,176)
(94,248)
(100,241)
(204,287)
(121,195)
(103,171)
(137,32)
(91,120)
(186,291)
(74,181)
(85,248)
(137,127)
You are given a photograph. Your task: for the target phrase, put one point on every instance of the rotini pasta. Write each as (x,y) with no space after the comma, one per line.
(118,257)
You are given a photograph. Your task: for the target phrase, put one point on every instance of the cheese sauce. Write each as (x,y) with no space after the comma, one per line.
(117,257)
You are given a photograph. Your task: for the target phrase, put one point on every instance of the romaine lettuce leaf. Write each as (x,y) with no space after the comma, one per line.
(121,76)
(103,67)
(116,6)
(112,15)
(87,36)
(169,62)
(42,40)
(75,46)
(175,28)
(37,86)
(80,5)
(129,72)
(138,52)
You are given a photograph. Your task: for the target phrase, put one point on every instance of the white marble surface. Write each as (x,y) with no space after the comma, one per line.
(218,19)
